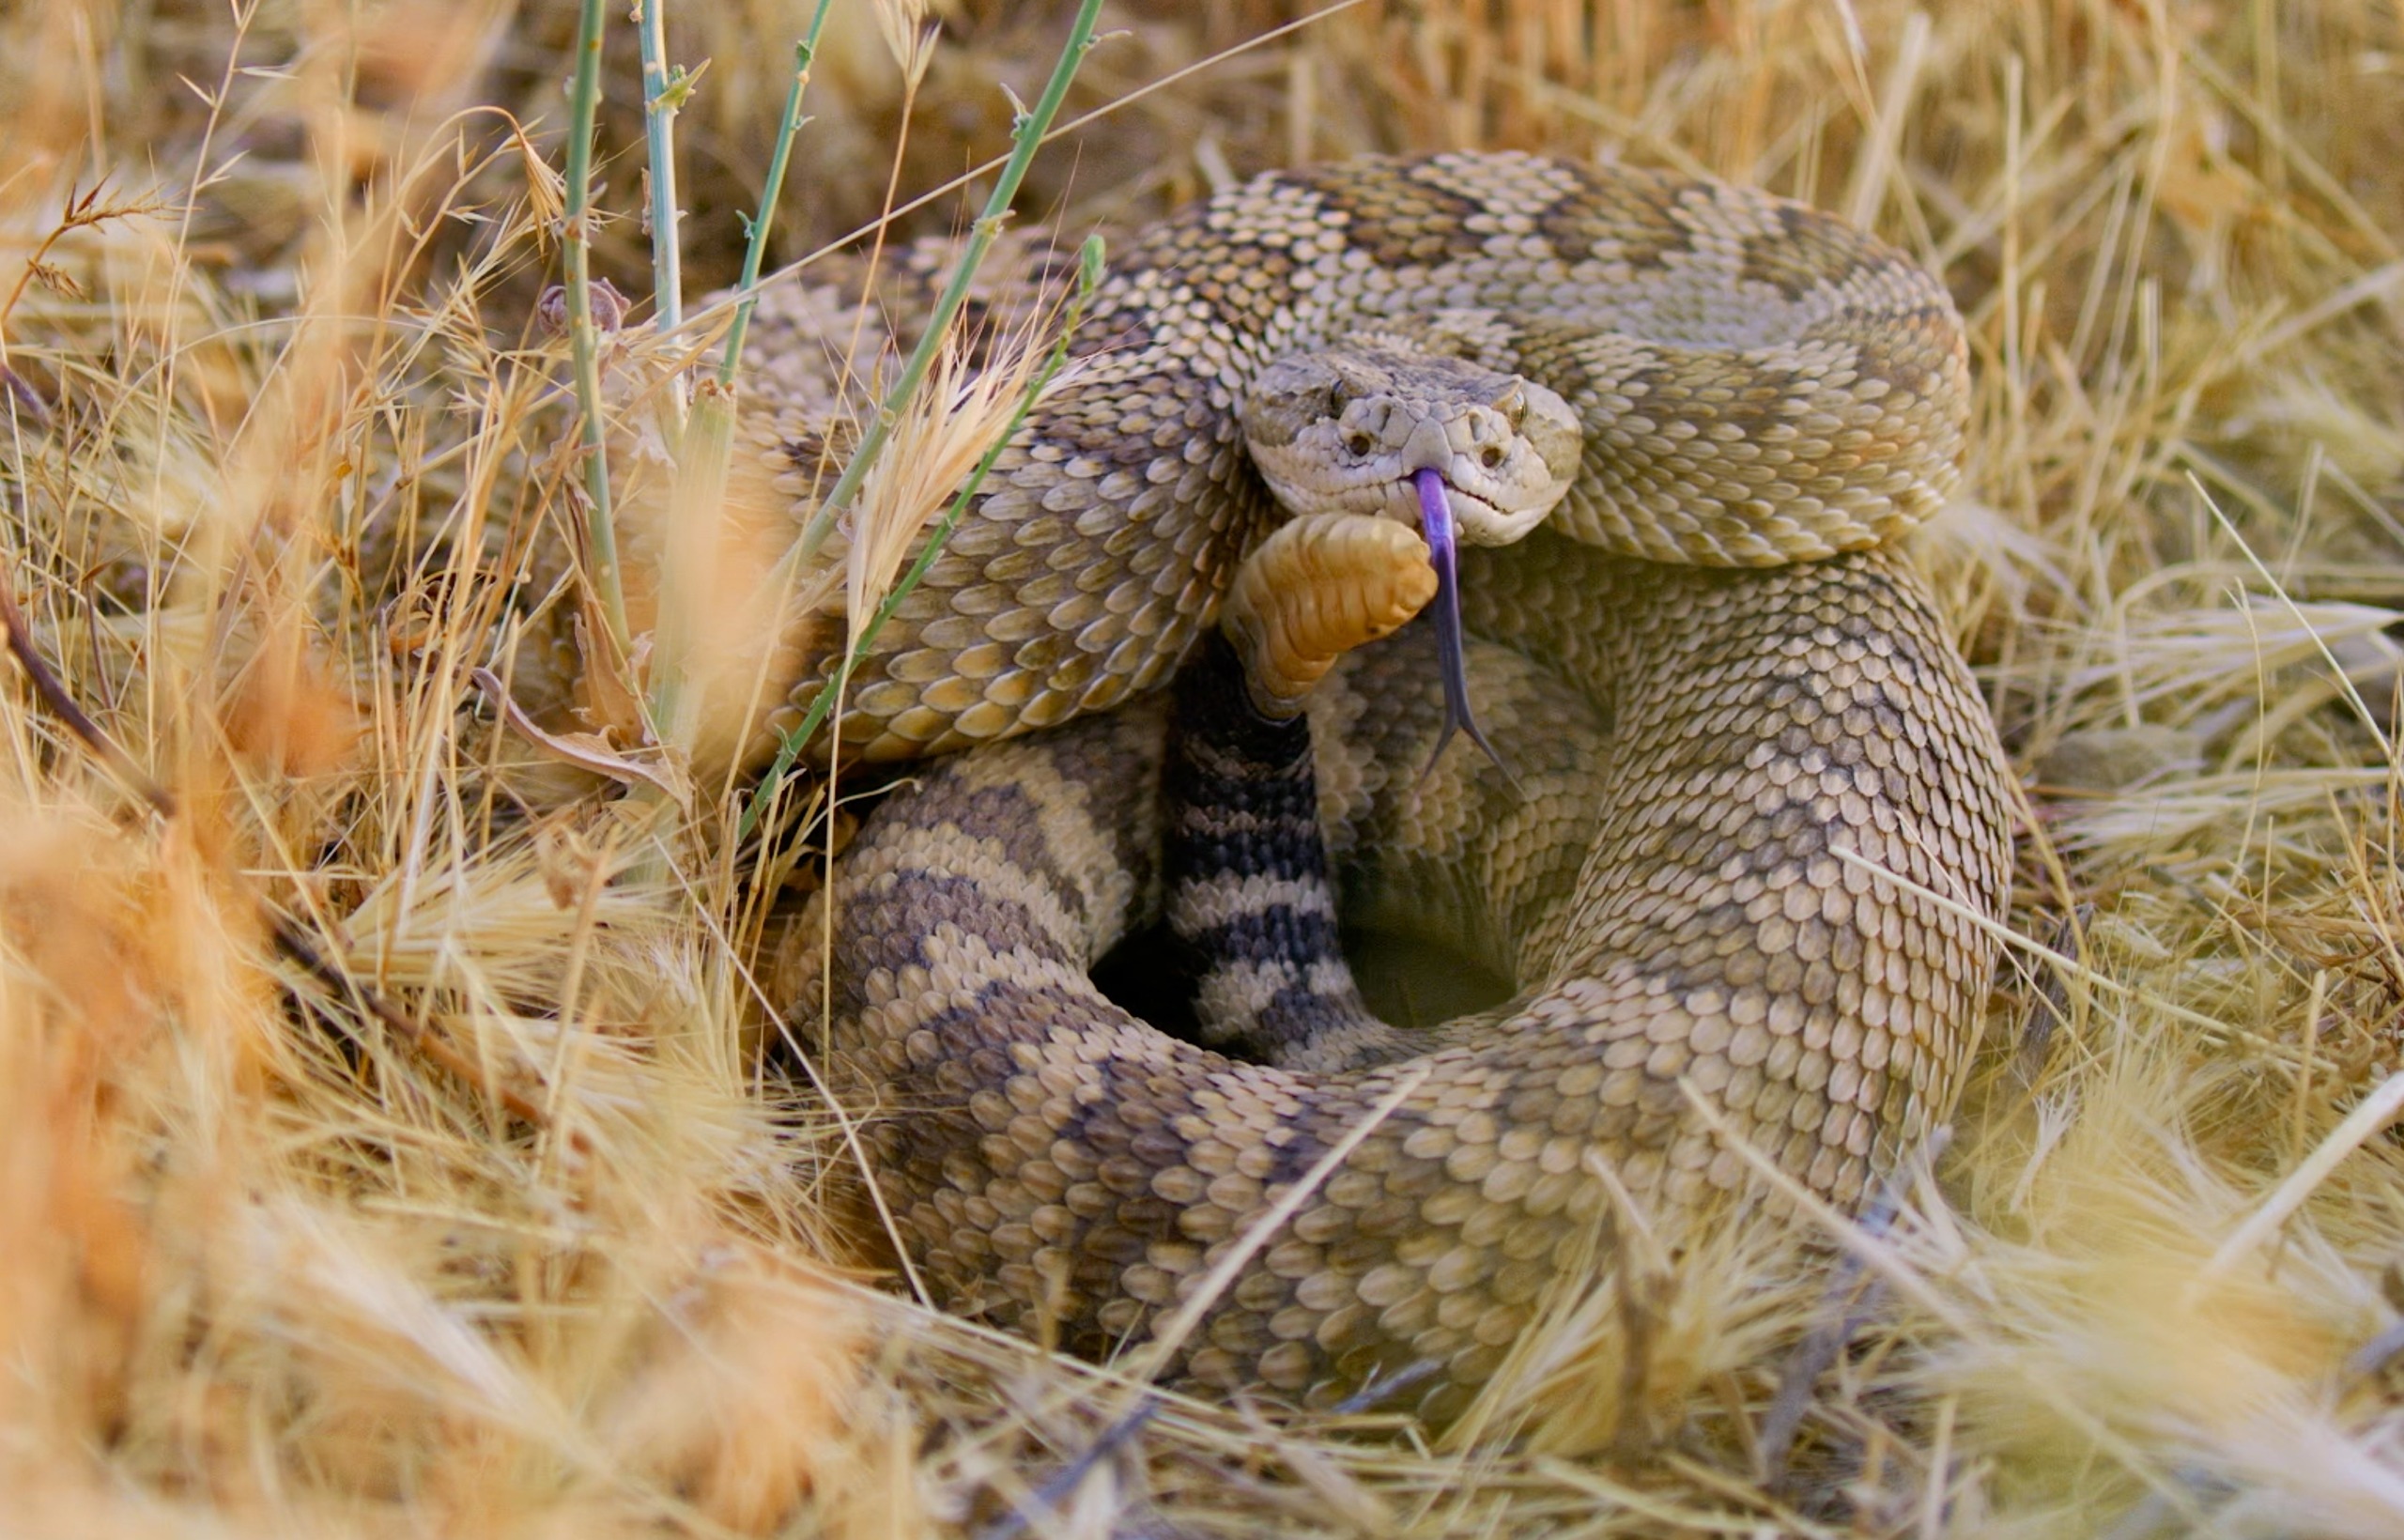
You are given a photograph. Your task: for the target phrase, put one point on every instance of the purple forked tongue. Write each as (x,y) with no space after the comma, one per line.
(1436,527)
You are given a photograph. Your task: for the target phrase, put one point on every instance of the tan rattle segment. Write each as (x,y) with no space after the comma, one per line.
(1316,589)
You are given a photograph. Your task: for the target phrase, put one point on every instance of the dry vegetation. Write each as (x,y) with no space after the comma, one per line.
(381,1150)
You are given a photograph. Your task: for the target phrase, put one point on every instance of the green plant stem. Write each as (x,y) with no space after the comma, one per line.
(705,440)
(661,100)
(600,526)
(1088,279)
(755,247)
(1026,136)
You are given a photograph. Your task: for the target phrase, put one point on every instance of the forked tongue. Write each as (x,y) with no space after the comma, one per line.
(1436,527)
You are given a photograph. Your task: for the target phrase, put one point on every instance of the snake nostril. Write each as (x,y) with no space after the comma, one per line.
(1357,444)
(1490,456)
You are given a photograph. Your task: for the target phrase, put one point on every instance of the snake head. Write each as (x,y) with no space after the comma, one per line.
(1396,428)
(1346,429)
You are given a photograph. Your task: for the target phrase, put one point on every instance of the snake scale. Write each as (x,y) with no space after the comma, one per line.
(1749,855)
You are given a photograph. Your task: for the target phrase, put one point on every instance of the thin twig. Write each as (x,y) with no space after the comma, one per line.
(1842,1312)
(294,944)
(663,97)
(1045,1500)
(601,533)
(2374,1355)
(62,705)
(1376,1391)
(755,243)
(2049,1005)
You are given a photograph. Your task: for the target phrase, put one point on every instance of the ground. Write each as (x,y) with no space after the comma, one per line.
(381,1143)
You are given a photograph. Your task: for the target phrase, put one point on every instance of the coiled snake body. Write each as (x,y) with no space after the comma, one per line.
(1758,820)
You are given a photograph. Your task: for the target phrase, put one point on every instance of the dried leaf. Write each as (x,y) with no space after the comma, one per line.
(592,751)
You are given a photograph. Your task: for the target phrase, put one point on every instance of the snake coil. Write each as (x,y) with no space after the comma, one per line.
(1759,836)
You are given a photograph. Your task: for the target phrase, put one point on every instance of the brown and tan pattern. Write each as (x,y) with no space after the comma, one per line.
(1734,413)
(1761,827)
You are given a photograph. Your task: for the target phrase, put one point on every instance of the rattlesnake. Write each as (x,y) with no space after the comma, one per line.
(1749,857)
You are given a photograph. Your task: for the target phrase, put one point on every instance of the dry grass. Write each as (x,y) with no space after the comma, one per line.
(529,1254)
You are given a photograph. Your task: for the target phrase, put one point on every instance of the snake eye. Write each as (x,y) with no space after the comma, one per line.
(1514,407)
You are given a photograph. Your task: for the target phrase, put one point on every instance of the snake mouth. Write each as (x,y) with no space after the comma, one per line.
(1435,526)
